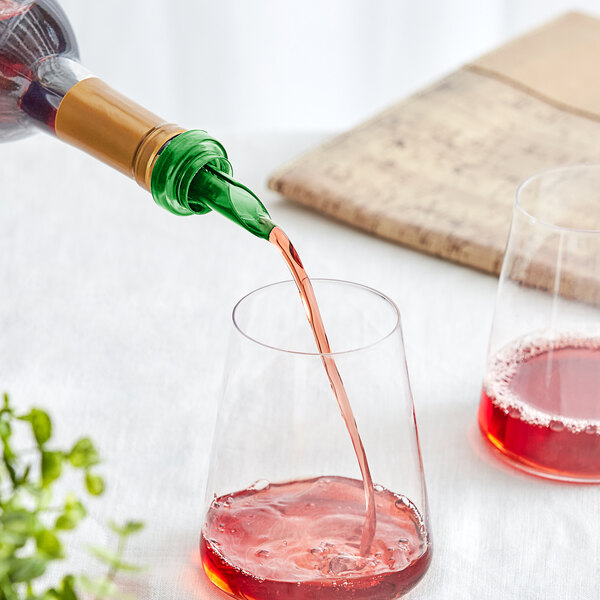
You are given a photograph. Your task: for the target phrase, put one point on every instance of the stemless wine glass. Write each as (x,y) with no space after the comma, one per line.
(540,405)
(285,509)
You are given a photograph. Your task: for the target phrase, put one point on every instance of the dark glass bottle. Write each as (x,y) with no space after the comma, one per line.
(43,86)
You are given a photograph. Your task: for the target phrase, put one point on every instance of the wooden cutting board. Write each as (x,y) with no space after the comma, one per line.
(438,171)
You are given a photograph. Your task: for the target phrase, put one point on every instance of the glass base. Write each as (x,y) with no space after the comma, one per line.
(522,464)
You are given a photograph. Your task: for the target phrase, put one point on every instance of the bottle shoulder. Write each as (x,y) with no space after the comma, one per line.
(31,34)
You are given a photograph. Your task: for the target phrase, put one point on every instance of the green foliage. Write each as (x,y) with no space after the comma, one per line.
(94,484)
(127,529)
(32,529)
(83,454)
(40,424)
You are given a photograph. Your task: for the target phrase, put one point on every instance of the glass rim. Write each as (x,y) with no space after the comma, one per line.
(539,175)
(396,326)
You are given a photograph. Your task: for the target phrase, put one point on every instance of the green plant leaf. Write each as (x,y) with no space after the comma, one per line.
(28,545)
(44,498)
(41,425)
(126,566)
(24,477)
(84,454)
(73,513)
(66,522)
(11,472)
(68,584)
(113,560)
(5,430)
(65,592)
(128,528)
(49,544)
(8,459)
(10,542)
(73,505)
(8,451)
(108,557)
(17,519)
(94,484)
(26,569)
(51,467)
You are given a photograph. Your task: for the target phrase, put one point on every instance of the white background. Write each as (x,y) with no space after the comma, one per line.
(289,65)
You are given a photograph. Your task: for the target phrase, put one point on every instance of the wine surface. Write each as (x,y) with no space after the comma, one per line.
(302,540)
(540,406)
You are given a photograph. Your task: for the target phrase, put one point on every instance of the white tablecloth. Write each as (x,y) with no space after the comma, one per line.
(115,315)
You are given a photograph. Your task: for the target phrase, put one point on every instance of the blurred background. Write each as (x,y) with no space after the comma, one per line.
(295,65)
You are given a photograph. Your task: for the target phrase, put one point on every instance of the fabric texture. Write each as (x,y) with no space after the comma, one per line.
(115,315)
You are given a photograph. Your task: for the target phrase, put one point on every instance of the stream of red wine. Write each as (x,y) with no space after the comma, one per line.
(309,301)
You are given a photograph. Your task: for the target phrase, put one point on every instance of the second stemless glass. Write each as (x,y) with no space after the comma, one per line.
(285,504)
(540,405)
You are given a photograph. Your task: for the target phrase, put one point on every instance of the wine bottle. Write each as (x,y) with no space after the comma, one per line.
(43,85)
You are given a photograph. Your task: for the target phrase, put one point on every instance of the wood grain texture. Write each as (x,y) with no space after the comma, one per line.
(557,62)
(438,171)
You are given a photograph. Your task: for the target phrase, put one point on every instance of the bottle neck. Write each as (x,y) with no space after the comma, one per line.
(187,172)
(43,83)
(99,120)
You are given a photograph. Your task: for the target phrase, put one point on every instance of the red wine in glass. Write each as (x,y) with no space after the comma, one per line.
(327,537)
(301,540)
(540,406)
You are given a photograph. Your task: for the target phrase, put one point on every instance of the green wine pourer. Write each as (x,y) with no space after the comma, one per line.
(193,176)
